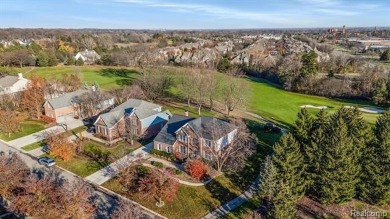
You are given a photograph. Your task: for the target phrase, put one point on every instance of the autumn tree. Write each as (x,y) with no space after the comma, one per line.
(9,121)
(154,84)
(60,146)
(70,82)
(159,185)
(133,91)
(185,82)
(232,155)
(196,168)
(90,104)
(77,200)
(12,170)
(34,96)
(127,210)
(233,90)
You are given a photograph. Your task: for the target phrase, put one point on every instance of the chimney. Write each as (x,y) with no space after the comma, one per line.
(20,75)
(186,113)
(93,87)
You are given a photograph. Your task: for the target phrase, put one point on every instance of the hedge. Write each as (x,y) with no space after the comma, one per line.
(157,164)
(162,153)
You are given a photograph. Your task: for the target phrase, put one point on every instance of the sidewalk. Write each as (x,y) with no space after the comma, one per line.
(244,197)
(111,170)
(38,136)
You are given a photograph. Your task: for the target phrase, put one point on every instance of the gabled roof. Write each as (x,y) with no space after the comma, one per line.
(8,81)
(66,99)
(211,128)
(142,109)
(167,134)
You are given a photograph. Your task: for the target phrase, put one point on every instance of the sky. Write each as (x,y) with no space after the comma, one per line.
(193,14)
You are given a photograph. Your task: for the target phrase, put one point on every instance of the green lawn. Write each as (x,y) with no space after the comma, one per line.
(191,202)
(107,77)
(31,147)
(282,106)
(27,127)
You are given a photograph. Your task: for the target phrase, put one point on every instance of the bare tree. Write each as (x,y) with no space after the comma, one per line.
(9,122)
(132,91)
(77,200)
(91,103)
(12,170)
(232,156)
(234,90)
(186,85)
(87,42)
(127,210)
(154,84)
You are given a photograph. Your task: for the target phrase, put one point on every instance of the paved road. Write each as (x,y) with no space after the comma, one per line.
(38,136)
(111,170)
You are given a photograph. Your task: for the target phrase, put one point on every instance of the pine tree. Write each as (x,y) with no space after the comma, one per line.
(290,165)
(314,151)
(375,183)
(283,204)
(303,125)
(339,167)
(268,179)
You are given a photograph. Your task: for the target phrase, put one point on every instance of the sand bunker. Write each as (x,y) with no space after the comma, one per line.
(314,107)
(373,110)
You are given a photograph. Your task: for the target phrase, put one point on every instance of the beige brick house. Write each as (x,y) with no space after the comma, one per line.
(140,118)
(194,137)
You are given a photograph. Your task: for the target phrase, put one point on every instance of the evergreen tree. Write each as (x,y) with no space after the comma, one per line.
(309,64)
(339,166)
(79,62)
(314,151)
(385,55)
(380,93)
(302,128)
(375,183)
(42,59)
(283,204)
(290,165)
(268,179)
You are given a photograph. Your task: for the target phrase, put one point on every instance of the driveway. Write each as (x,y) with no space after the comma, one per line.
(38,136)
(111,170)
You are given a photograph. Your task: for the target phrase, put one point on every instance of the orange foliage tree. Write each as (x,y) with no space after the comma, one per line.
(60,146)
(196,168)
(159,184)
(9,122)
(34,96)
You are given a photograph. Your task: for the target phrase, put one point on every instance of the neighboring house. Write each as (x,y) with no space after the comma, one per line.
(65,107)
(140,118)
(12,84)
(194,137)
(88,56)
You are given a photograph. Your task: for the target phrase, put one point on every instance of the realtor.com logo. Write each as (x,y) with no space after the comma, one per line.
(367,214)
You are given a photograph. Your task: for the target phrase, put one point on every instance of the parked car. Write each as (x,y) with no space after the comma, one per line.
(270,127)
(91,130)
(45,148)
(47,161)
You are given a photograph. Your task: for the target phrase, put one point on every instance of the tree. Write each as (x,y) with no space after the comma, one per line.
(196,168)
(70,61)
(223,65)
(154,84)
(233,94)
(34,96)
(77,201)
(302,128)
(9,122)
(283,205)
(289,162)
(42,59)
(60,146)
(385,55)
(159,184)
(12,170)
(233,155)
(70,82)
(381,93)
(80,62)
(268,181)
(129,92)
(90,104)
(309,64)
(339,166)
(375,183)
(185,85)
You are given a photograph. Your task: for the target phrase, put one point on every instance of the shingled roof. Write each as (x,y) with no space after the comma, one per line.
(167,134)
(211,128)
(8,81)
(66,99)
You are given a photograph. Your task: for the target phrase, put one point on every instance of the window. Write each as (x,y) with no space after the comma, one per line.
(135,131)
(169,149)
(207,155)
(183,149)
(134,121)
(159,146)
(183,138)
(207,143)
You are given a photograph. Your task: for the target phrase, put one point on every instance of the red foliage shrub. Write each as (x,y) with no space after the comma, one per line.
(48,119)
(196,168)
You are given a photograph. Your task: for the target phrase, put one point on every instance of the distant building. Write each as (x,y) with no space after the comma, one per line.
(13,84)
(335,30)
(88,56)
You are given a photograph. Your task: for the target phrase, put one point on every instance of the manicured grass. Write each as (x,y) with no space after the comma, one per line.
(244,211)
(106,77)
(282,106)
(32,146)
(27,127)
(191,202)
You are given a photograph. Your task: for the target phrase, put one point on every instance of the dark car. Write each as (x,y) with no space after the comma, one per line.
(270,127)
(45,148)
(91,130)
(47,161)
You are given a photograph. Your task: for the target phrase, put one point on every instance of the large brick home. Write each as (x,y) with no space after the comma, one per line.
(194,137)
(64,107)
(140,118)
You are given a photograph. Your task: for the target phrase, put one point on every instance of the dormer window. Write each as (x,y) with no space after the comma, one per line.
(183,138)
(208,143)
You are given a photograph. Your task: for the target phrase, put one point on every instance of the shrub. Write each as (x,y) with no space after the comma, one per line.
(178,172)
(163,154)
(48,119)
(196,169)
(157,164)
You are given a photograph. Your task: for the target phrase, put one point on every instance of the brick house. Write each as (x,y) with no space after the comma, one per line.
(137,117)
(64,107)
(194,137)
